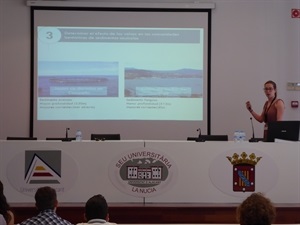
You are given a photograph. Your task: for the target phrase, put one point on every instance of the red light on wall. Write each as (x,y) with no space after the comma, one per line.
(295,13)
(294,104)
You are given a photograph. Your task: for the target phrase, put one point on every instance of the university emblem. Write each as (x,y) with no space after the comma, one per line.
(244,171)
(143,172)
(31,169)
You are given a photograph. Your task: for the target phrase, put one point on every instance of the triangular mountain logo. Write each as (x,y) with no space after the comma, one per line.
(40,172)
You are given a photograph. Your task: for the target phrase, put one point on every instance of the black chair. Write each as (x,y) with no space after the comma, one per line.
(104,137)
(209,138)
(21,138)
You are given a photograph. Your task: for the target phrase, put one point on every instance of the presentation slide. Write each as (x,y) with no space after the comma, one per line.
(94,73)
(142,73)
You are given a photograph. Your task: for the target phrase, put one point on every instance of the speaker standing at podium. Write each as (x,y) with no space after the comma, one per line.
(273,108)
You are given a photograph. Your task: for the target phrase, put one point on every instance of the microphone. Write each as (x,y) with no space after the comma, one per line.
(199,139)
(67,132)
(67,135)
(199,130)
(253,136)
(253,139)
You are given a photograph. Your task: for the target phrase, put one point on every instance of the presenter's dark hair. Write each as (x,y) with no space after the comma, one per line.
(96,208)
(256,210)
(45,198)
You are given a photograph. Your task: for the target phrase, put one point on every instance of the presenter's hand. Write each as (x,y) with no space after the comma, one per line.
(248,106)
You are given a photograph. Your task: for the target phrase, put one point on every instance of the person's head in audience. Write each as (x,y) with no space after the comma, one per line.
(1,188)
(256,210)
(96,208)
(45,198)
(46,203)
(5,208)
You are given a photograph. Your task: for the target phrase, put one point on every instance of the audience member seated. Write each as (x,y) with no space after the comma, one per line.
(5,211)
(46,203)
(2,220)
(256,210)
(96,211)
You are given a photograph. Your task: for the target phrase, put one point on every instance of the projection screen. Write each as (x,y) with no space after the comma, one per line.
(142,73)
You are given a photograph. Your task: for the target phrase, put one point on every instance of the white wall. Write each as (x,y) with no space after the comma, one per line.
(14,68)
(252,41)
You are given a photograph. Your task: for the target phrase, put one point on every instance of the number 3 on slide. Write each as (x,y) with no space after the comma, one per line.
(49,34)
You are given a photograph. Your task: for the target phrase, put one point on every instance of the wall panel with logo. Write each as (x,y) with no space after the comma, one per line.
(77,170)
(151,171)
(227,172)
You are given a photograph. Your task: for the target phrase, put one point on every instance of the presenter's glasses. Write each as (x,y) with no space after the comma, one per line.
(268,89)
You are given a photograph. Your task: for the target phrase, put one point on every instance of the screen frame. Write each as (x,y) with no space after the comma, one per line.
(208,64)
